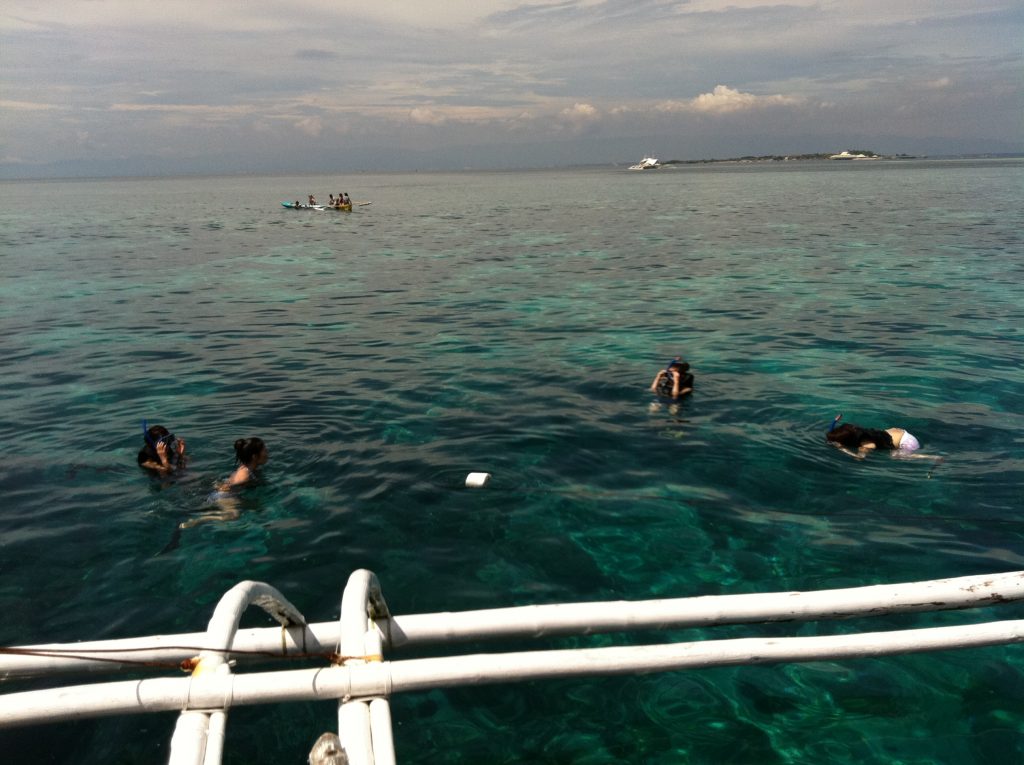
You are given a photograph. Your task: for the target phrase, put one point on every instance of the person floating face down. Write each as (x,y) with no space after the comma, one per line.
(858,441)
(674,381)
(163,453)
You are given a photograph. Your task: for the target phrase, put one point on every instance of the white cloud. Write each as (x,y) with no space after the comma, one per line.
(484,69)
(725,100)
(26,106)
(312,126)
(580,113)
(424,116)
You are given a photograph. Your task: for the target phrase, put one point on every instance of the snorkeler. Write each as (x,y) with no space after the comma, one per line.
(250,454)
(674,381)
(857,441)
(162,453)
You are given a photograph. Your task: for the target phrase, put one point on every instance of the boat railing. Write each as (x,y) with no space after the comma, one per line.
(350,667)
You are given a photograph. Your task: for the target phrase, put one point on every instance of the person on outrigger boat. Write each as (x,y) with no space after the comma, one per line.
(312,200)
(674,381)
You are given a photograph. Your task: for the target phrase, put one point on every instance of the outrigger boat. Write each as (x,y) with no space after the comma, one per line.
(298,206)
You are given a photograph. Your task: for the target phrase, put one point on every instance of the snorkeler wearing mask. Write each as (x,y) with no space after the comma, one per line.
(674,381)
(857,441)
(162,453)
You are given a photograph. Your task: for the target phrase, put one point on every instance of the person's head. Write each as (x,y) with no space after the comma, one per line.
(846,435)
(854,437)
(251,452)
(678,364)
(157,434)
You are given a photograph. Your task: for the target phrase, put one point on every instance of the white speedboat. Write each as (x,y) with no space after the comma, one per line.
(647,163)
(847,155)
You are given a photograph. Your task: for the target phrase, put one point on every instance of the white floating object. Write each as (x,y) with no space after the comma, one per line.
(477,480)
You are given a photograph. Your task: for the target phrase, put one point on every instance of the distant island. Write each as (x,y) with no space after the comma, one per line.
(850,154)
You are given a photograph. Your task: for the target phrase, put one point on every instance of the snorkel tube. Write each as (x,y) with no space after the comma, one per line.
(145,434)
(832,427)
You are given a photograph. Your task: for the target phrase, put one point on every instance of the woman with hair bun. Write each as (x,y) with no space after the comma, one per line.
(250,454)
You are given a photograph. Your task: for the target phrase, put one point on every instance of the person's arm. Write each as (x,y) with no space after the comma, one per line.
(860,454)
(241,475)
(162,464)
(681,384)
(657,379)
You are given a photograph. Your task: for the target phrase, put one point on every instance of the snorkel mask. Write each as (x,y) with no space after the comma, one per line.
(169,440)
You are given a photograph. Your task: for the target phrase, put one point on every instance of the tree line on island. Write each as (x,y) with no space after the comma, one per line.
(785,158)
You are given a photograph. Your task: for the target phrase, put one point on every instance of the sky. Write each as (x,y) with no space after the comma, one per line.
(124,87)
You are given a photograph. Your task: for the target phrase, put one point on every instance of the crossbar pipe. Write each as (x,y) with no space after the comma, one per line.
(381,679)
(546,620)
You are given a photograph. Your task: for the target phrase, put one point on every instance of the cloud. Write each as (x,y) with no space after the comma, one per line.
(27,106)
(424,116)
(726,100)
(312,126)
(252,76)
(580,112)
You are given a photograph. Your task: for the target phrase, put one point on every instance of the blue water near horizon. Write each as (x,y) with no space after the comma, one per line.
(511,322)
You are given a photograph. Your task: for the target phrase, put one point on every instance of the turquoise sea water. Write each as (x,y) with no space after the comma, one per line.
(511,323)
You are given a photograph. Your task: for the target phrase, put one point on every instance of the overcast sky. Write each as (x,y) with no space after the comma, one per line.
(256,85)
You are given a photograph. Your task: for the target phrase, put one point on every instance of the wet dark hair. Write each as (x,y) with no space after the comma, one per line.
(248,449)
(852,436)
(155,432)
(153,435)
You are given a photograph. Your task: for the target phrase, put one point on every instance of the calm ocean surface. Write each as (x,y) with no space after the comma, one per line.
(511,323)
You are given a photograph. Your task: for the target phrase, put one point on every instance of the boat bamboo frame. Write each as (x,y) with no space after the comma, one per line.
(354,672)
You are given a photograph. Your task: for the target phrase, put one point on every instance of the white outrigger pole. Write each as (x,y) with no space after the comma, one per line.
(357,677)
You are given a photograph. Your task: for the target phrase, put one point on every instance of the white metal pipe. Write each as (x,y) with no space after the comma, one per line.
(192,730)
(223,624)
(114,655)
(354,731)
(384,678)
(381,737)
(188,743)
(215,733)
(360,603)
(610,616)
(381,732)
(561,619)
(355,623)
